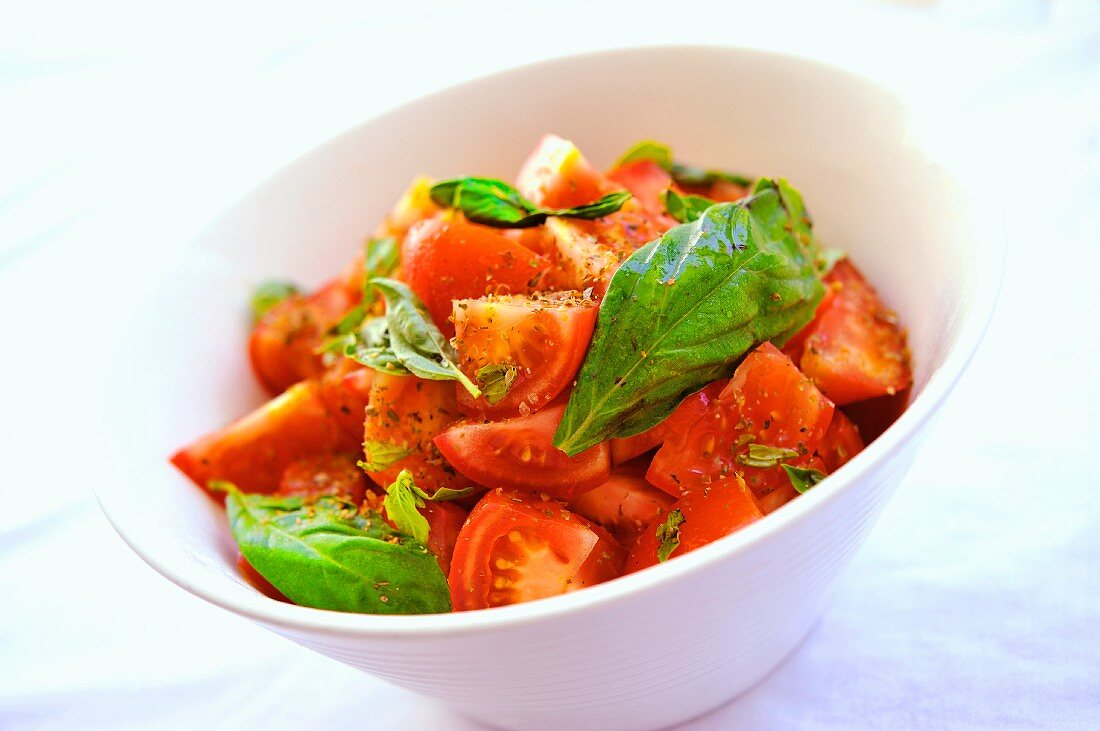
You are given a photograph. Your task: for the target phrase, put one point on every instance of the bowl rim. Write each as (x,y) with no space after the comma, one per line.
(983,292)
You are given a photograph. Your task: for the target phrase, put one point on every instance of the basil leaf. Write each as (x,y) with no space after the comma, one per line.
(444,493)
(803,479)
(492,202)
(658,152)
(496,381)
(683,310)
(691,176)
(380,259)
(323,553)
(401,503)
(269,294)
(380,455)
(668,533)
(415,341)
(763,456)
(370,346)
(685,208)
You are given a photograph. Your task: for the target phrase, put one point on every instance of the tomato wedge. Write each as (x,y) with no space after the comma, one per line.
(557,175)
(404,414)
(768,403)
(624,505)
(855,349)
(840,443)
(536,343)
(345,391)
(517,547)
(518,453)
(283,344)
(647,181)
(253,451)
(324,474)
(683,416)
(446,258)
(708,513)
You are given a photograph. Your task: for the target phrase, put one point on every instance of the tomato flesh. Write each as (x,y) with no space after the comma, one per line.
(840,443)
(324,474)
(252,452)
(709,513)
(345,391)
(406,413)
(855,349)
(518,453)
(624,505)
(541,340)
(447,258)
(768,402)
(517,547)
(557,175)
(647,181)
(683,416)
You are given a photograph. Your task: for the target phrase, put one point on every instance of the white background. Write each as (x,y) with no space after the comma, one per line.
(125,127)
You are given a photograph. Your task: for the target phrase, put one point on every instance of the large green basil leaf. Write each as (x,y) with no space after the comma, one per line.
(683,310)
(323,553)
(493,202)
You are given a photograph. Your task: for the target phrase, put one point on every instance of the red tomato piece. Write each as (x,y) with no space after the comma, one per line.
(769,403)
(516,547)
(324,474)
(256,579)
(283,344)
(445,520)
(647,181)
(518,454)
(447,258)
(253,451)
(557,175)
(624,505)
(405,413)
(874,416)
(541,341)
(855,349)
(683,416)
(840,443)
(345,391)
(709,513)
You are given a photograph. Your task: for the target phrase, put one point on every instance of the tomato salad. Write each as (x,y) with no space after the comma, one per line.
(517,391)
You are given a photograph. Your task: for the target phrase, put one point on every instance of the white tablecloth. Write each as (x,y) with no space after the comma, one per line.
(976,602)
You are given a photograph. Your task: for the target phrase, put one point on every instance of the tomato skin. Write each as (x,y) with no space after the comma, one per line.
(840,443)
(518,454)
(874,416)
(855,349)
(258,582)
(767,402)
(516,547)
(253,451)
(445,520)
(624,505)
(710,513)
(647,181)
(545,338)
(345,391)
(447,258)
(282,346)
(682,417)
(324,474)
(557,175)
(409,412)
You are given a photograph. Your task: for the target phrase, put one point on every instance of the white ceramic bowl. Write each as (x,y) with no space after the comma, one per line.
(650,649)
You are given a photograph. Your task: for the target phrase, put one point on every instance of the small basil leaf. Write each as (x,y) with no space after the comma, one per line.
(496,381)
(682,311)
(803,479)
(658,152)
(380,455)
(691,176)
(598,209)
(685,208)
(269,294)
(668,533)
(444,494)
(416,343)
(370,346)
(492,202)
(401,503)
(324,553)
(764,456)
(380,259)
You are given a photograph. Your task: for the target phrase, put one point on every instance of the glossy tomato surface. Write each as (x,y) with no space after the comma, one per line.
(447,258)
(516,547)
(683,416)
(624,505)
(647,181)
(855,349)
(767,403)
(325,474)
(345,391)
(557,175)
(708,513)
(840,443)
(253,451)
(518,453)
(535,343)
